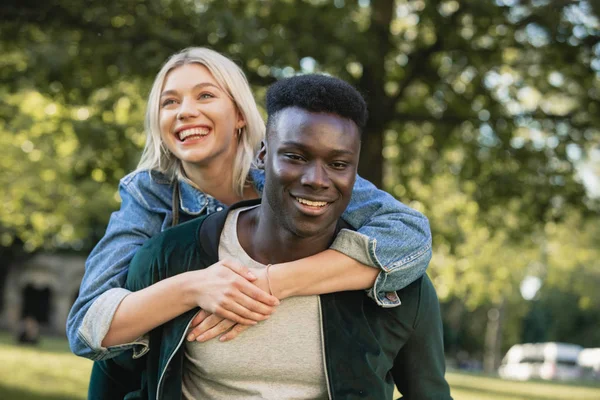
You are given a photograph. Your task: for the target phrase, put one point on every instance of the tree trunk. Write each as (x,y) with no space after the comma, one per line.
(371,85)
(493,338)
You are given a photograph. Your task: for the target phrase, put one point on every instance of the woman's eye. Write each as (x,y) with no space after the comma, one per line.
(206,96)
(167,102)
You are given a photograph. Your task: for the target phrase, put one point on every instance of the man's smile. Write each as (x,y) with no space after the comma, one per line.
(312,207)
(311,203)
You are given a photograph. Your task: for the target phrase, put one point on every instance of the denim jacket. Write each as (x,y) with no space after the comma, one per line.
(390,236)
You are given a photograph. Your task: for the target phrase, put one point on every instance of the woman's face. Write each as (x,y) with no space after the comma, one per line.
(198,120)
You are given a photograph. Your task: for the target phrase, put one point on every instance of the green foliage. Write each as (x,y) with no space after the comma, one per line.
(64,162)
(481,115)
(566,307)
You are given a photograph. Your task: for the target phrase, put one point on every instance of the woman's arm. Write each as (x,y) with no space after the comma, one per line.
(144,212)
(106,268)
(326,272)
(223,289)
(390,236)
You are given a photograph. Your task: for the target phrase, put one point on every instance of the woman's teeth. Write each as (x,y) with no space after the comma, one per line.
(192,132)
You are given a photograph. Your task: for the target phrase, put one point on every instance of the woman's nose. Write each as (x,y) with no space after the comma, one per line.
(187,109)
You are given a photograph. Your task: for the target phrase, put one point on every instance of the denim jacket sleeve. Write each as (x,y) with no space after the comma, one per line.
(101,289)
(389,236)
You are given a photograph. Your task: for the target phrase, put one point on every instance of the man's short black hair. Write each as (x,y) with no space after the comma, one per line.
(317,93)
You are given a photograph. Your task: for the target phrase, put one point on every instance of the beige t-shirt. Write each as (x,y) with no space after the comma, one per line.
(280,358)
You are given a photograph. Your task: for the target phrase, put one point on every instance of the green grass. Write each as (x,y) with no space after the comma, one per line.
(50,372)
(477,387)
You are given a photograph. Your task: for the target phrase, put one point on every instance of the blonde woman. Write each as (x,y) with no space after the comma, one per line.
(203,131)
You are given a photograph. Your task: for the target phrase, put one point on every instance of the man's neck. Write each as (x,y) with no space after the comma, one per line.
(267,242)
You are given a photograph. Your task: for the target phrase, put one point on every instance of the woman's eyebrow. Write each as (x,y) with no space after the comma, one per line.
(196,87)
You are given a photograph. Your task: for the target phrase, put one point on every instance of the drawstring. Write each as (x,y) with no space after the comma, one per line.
(175,208)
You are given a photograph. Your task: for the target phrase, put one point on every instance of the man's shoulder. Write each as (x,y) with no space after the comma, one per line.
(168,253)
(181,235)
(417,297)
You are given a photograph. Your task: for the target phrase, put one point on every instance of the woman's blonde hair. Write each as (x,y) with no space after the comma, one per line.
(233,81)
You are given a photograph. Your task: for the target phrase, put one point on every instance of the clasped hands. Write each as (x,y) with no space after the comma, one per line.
(232,299)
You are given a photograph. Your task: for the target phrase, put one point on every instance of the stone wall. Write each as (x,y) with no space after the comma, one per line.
(56,277)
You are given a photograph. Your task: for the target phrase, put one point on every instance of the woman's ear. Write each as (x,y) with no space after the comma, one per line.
(260,158)
(241,122)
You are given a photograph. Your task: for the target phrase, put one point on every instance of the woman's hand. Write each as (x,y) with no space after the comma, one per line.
(208,326)
(227,290)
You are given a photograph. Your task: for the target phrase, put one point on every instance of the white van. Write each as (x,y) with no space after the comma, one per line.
(589,361)
(550,361)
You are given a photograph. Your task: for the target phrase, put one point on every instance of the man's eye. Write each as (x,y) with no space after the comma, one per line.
(294,157)
(339,165)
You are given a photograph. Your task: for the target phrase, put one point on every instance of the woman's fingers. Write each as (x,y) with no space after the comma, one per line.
(258,295)
(202,323)
(201,316)
(233,316)
(216,330)
(239,269)
(224,292)
(213,326)
(233,332)
(241,310)
(248,302)
(244,306)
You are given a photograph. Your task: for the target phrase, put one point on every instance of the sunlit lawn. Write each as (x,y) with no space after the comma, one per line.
(474,387)
(50,372)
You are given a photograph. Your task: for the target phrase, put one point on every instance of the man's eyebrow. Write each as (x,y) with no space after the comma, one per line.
(196,87)
(339,152)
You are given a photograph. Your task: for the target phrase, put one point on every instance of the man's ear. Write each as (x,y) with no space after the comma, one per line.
(260,158)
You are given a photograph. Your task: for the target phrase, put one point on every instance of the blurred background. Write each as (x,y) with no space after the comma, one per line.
(484,115)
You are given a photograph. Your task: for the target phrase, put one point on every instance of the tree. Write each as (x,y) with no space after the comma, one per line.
(480,112)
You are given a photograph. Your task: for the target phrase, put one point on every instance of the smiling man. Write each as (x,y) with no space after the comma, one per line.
(311,162)
(334,346)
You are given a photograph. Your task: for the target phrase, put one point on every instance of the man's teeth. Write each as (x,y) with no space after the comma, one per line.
(311,203)
(192,132)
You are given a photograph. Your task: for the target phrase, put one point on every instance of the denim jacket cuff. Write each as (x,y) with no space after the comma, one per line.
(139,346)
(361,248)
(382,298)
(357,246)
(97,321)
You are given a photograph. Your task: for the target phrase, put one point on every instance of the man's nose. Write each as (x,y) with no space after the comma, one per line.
(188,108)
(316,176)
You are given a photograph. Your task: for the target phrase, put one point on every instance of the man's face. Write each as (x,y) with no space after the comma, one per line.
(310,168)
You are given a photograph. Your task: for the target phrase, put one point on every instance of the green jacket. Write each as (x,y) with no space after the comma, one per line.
(366,348)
